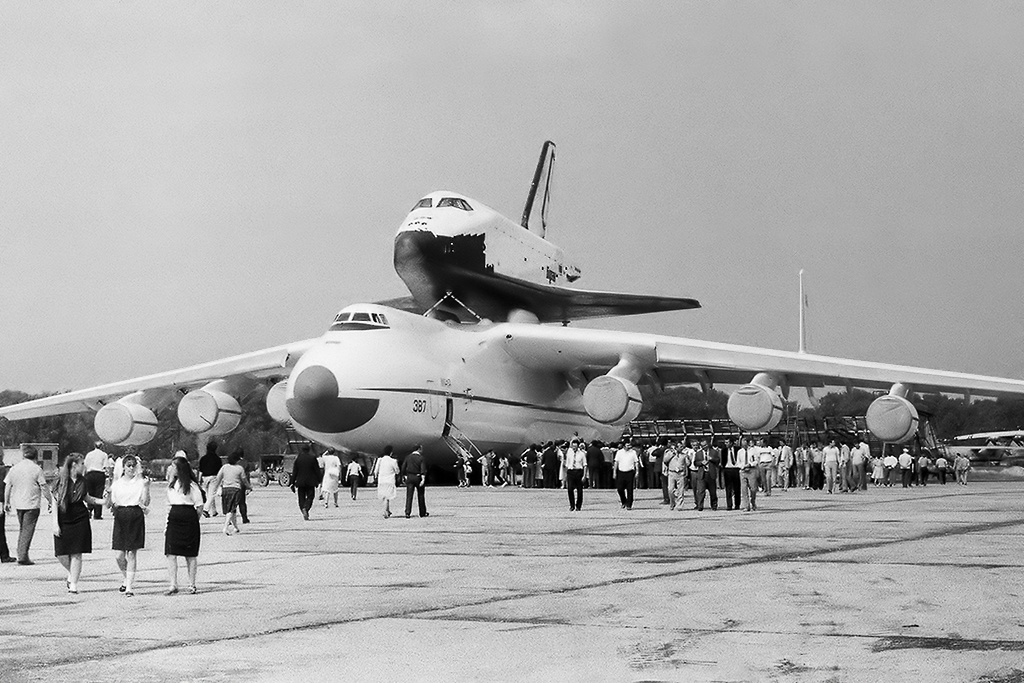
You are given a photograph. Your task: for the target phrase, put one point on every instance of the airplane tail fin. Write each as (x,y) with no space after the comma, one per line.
(535,215)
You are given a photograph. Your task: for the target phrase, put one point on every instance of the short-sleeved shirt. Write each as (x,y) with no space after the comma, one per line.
(626,460)
(26,482)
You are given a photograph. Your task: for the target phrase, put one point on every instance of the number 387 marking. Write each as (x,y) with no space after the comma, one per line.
(419,406)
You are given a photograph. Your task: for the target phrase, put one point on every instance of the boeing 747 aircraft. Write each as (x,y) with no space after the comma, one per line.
(467,361)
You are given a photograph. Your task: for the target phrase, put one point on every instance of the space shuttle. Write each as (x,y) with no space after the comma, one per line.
(464,261)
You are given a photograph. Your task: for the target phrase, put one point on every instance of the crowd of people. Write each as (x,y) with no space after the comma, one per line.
(742,469)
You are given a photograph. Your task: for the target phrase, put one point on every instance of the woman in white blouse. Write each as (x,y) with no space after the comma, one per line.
(129,500)
(182,537)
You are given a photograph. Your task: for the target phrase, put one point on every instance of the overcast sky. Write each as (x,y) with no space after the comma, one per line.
(185,181)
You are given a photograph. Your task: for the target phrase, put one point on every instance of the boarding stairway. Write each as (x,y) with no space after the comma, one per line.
(460,444)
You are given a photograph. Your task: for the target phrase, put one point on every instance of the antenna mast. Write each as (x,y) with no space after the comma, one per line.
(802,347)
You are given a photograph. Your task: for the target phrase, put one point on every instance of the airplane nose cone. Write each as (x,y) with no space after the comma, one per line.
(315,383)
(317,406)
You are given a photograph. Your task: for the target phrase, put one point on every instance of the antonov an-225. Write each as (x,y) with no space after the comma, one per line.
(468,357)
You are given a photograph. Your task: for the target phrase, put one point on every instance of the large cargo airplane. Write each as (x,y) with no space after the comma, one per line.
(467,361)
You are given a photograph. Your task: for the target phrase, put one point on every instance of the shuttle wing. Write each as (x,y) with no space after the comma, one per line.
(675,360)
(266,363)
(557,304)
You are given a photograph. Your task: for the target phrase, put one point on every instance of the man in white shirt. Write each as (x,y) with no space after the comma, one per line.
(96,476)
(859,459)
(24,486)
(575,473)
(750,474)
(765,464)
(731,477)
(626,463)
(673,469)
(906,461)
(830,459)
(785,465)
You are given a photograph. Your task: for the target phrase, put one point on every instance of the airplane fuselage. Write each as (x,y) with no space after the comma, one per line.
(396,378)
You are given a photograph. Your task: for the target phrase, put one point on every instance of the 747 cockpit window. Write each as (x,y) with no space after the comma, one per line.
(424,203)
(359,320)
(455,202)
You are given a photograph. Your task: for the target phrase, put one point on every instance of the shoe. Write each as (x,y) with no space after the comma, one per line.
(7,559)
(206,514)
(387,514)
(425,514)
(26,562)
(73,591)
(408,516)
(171,591)
(245,521)
(192,590)
(129,594)
(122,589)
(305,515)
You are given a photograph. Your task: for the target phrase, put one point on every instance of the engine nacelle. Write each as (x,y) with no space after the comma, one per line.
(612,400)
(892,419)
(276,406)
(125,424)
(755,408)
(209,411)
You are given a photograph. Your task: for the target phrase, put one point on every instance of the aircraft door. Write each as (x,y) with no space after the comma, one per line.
(433,399)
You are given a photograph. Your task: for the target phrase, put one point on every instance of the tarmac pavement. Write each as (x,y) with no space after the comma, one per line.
(920,584)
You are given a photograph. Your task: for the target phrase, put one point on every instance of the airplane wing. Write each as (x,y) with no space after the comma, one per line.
(556,304)
(674,360)
(267,363)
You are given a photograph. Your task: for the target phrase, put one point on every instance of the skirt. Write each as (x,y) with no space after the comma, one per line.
(75,536)
(387,490)
(129,528)
(182,536)
(229,499)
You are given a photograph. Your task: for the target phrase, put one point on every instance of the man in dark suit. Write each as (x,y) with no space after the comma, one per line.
(306,476)
(704,475)
(549,465)
(414,469)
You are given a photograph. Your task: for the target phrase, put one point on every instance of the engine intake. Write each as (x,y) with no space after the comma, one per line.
(892,419)
(755,408)
(276,406)
(209,411)
(612,400)
(124,423)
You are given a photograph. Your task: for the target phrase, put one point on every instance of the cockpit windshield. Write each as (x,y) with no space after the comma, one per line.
(359,320)
(424,203)
(455,203)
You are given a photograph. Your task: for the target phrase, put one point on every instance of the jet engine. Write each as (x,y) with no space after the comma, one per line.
(209,410)
(612,400)
(893,418)
(756,407)
(125,423)
(276,406)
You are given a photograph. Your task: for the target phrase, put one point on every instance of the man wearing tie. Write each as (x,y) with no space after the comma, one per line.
(731,473)
(747,459)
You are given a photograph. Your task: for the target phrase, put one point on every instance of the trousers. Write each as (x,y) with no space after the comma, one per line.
(749,479)
(26,530)
(574,486)
(732,487)
(624,485)
(412,487)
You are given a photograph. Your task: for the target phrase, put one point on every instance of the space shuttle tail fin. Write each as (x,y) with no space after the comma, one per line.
(535,215)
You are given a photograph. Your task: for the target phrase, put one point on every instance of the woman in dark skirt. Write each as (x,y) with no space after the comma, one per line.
(129,499)
(72,535)
(182,537)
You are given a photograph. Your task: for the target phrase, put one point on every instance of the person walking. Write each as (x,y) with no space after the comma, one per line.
(209,466)
(24,488)
(182,535)
(626,463)
(129,501)
(961,466)
(549,465)
(96,463)
(923,463)
(414,469)
(385,472)
(72,535)
(830,458)
(486,461)
(306,476)
(750,474)
(575,473)
(941,465)
(332,478)
(674,469)
(354,472)
(232,482)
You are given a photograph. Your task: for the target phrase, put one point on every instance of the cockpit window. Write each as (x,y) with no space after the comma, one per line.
(455,202)
(424,203)
(358,320)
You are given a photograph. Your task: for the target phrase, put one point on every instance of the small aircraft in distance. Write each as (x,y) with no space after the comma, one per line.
(988,448)
(466,362)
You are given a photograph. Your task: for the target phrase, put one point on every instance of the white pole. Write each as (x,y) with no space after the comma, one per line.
(802,343)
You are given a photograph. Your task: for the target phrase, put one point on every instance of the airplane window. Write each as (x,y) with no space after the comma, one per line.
(359,321)
(455,202)
(424,203)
